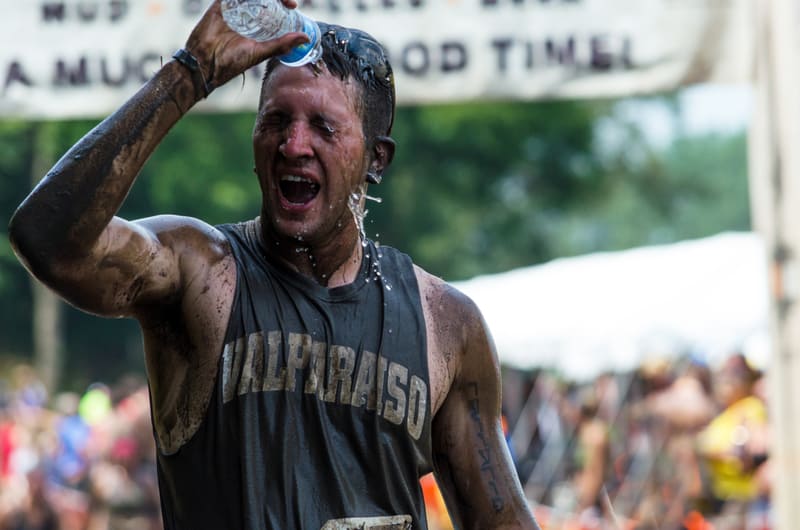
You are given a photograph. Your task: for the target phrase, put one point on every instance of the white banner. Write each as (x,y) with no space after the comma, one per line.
(77,58)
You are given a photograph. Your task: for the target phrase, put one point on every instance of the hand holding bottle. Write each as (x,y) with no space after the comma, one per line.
(263,20)
(223,54)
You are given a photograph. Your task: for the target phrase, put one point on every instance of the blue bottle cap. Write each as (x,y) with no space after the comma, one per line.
(309,51)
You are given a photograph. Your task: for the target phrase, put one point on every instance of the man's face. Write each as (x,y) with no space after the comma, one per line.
(310,154)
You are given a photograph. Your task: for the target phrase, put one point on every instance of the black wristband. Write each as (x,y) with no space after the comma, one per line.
(188,60)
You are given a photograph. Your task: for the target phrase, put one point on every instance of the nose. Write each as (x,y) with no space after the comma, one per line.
(297,141)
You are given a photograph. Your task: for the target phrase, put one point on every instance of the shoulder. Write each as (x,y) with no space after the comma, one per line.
(444,299)
(459,342)
(198,247)
(187,253)
(452,313)
(181,233)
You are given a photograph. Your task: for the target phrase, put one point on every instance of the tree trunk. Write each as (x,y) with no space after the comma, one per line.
(48,333)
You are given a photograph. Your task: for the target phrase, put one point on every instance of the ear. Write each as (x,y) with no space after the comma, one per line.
(382,155)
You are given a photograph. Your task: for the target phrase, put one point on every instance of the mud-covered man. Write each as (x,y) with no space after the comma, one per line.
(300,376)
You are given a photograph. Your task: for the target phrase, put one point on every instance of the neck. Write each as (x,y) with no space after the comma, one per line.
(330,263)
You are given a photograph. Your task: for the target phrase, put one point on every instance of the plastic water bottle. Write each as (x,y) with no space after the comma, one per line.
(262,20)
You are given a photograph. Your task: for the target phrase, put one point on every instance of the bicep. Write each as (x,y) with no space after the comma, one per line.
(471,459)
(129,265)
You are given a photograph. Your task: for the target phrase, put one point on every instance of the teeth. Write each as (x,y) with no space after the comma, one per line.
(295,178)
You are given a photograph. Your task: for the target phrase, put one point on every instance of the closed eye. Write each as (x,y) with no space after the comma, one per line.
(275,121)
(323,126)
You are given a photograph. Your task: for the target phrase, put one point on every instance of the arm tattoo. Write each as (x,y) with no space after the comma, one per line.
(484,449)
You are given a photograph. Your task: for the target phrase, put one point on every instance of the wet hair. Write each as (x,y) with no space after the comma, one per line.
(354,54)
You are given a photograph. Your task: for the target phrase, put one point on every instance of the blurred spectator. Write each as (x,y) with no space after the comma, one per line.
(124,485)
(591,458)
(734,445)
(71,461)
(32,509)
(682,409)
(686,404)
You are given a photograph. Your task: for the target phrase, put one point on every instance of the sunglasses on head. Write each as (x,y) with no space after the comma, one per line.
(370,57)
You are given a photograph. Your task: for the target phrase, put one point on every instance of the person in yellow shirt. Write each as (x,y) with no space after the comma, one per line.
(733,445)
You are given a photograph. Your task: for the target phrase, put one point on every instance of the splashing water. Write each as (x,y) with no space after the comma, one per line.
(356,205)
(359,213)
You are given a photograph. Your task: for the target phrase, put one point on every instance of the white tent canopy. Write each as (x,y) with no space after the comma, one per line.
(611,311)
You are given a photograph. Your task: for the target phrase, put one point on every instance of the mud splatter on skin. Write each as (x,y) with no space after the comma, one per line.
(66,213)
(182,344)
(181,374)
(133,291)
(446,319)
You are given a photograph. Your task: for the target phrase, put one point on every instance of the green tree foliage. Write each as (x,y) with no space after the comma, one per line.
(482,188)
(475,188)
(16,145)
(204,169)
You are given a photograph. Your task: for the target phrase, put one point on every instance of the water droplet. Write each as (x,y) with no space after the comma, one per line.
(354,203)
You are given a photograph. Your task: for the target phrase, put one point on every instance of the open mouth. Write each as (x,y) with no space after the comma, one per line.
(298,190)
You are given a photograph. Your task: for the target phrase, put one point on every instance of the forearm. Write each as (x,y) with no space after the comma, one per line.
(65,214)
(482,493)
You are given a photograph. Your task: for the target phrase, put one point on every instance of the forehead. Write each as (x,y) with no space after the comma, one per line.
(312,87)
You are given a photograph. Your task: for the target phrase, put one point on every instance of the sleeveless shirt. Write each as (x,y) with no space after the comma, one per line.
(320,415)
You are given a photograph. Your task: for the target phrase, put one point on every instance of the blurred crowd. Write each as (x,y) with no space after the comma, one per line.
(670,445)
(674,444)
(76,461)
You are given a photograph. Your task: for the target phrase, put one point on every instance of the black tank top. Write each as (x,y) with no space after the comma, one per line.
(320,417)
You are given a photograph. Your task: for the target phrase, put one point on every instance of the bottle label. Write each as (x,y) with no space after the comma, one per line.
(306,52)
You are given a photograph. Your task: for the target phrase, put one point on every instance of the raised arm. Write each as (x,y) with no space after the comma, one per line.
(472,463)
(66,232)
